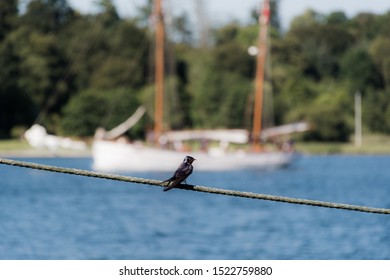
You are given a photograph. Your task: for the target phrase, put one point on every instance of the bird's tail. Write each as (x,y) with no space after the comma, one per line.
(169,181)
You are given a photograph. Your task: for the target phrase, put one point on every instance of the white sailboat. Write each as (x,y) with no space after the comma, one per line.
(111,153)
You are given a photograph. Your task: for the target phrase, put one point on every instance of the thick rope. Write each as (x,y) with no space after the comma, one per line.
(136,180)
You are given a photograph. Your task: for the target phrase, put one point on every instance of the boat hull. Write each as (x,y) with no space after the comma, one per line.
(116,156)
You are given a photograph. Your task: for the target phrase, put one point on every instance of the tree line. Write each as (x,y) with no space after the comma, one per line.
(73,72)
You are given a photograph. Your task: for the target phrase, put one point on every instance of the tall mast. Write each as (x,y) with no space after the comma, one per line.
(159,74)
(259,85)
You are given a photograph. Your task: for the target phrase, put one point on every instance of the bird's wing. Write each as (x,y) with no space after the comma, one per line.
(182,171)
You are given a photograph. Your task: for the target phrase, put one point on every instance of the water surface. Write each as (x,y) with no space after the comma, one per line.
(56,216)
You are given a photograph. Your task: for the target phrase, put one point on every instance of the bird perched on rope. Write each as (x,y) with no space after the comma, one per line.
(183,171)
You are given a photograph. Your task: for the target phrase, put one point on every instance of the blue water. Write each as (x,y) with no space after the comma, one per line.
(54,216)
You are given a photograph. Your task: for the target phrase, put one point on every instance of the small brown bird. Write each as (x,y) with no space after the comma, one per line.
(183,171)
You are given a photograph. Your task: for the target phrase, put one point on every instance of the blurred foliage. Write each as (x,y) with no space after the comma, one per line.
(91,109)
(75,72)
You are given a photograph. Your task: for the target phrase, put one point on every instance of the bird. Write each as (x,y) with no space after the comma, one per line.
(183,171)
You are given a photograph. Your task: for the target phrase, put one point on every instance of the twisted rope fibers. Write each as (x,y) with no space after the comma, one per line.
(204,189)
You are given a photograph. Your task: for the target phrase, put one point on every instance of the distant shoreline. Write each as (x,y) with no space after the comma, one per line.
(334,150)
(372,145)
(14,148)
(40,153)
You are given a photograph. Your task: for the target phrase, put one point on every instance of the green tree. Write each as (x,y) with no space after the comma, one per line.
(107,56)
(365,26)
(41,66)
(109,15)
(47,16)
(307,19)
(16,108)
(231,57)
(337,18)
(318,48)
(380,52)
(178,96)
(92,109)
(8,16)
(376,111)
(219,97)
(359,69)
(329,113)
